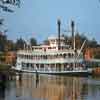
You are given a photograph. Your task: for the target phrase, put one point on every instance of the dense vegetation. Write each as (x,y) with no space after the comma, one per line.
(9,45)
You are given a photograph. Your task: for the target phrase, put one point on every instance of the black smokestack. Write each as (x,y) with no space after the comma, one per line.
(59,23)
(72,27)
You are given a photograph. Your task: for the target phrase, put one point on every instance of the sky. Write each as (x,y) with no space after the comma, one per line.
(38,18)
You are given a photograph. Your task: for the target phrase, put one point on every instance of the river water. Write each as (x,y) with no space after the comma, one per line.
(50,87)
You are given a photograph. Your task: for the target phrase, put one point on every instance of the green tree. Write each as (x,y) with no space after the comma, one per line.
(46,42)
(4,3)
(79,39)
(93,43)
(2,57)
(10,45)
(33,41)
(20,44)
(3,40)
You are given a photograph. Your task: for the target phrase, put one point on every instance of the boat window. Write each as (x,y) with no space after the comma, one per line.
(49,47)
(64,55)
(69,55)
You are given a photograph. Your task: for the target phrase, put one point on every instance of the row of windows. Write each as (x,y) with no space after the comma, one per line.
(50,48)
(66,65)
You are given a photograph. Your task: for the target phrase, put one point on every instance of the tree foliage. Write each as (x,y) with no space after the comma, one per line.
(3,40)
(46,42)
(33,41)
(5,44)
(10,45)
(20,44)
(4,5)
(79,39)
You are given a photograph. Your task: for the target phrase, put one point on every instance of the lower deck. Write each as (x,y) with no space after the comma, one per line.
(71,72)
(53,67)
(60,69)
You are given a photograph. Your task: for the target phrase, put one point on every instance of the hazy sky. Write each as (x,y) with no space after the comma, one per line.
(38,18)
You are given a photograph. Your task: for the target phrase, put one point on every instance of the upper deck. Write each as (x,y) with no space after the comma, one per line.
(50,49)
(49,53)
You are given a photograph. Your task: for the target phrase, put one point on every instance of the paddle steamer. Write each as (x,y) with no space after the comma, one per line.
(55,58)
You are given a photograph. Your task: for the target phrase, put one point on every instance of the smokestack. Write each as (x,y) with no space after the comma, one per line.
(72,28)
(59,23)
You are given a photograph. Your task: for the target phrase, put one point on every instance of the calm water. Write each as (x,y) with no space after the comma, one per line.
(47,87)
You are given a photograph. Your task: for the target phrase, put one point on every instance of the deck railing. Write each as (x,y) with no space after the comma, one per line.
(50,61)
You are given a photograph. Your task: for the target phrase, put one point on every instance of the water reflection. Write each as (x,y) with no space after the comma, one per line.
(2,90)
(53,87)
(37,79)
(48,87)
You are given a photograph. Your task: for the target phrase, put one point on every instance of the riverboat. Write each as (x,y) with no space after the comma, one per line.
(55,58)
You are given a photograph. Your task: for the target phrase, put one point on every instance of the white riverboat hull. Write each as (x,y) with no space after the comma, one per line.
(69,72)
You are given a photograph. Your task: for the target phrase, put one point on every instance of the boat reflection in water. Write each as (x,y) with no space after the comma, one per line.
(51,88)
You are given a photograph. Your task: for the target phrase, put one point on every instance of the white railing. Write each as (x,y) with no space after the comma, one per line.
(50,61)
(42,52)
